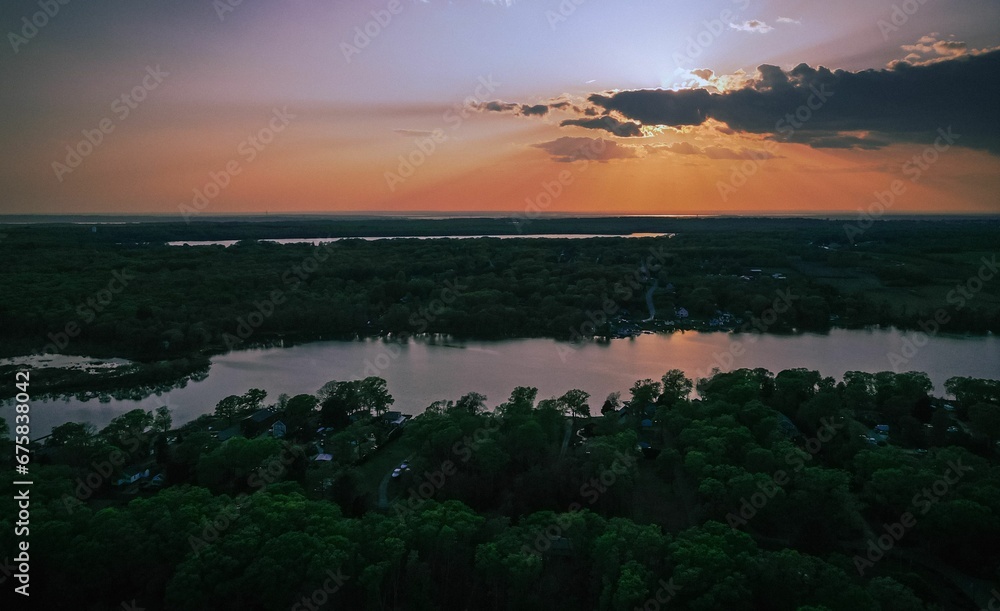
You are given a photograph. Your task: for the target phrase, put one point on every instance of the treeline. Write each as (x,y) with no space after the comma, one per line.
(99,297)
(768,492)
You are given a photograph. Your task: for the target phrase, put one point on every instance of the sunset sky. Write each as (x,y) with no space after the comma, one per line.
(200,107)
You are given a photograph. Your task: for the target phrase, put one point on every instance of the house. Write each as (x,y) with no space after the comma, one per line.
(396,419)
(682,313)
(258,422)
(132,474)
(882,428)
(227,433)
(278,429)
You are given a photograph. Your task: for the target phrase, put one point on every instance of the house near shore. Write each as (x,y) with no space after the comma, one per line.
(258,422)
(132,474)
(278,429)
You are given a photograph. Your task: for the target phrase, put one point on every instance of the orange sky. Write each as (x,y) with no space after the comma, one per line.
(348,120)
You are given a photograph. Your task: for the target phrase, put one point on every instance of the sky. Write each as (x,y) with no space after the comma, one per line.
(202,107)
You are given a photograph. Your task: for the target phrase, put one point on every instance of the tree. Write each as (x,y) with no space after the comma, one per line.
(472,402)
(128,431)
(252,400)
(985,419)
(228,408)
(969,391)
(374,396)
(298,409)
(793,387)
(71,434)
(893,596)
(184,456)
(676,387)
(644,393)
(238,406)
(341,400)
(162,421)
(232,465)
(612,403)
(576,402)
(521,402)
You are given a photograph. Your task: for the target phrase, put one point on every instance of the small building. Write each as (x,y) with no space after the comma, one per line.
(132,474)
(278,429)
(882,428)
(228,433)
(258,422)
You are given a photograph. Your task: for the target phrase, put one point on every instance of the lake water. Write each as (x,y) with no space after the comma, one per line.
(318,241)
(424,370)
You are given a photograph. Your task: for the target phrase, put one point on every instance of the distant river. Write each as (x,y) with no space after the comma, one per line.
(317,241)
(425,370)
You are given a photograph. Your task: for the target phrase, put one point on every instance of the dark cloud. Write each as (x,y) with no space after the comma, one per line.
(815,105)
(497,106)
(524,110)
(841,141)
(567,149)
(657,107)
(624,129)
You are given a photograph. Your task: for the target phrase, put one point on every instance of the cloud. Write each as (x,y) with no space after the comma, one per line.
(812,105)
(567,149)
(679,148)
(413,133)
(623,129)
(657,106)
(753,25)
(789,20)
(524,110)
(721,152)
(538,110)
(712,152)
(837,140)
(930,50)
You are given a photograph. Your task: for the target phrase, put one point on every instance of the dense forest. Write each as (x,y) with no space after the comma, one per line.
(119,290)
(786,492)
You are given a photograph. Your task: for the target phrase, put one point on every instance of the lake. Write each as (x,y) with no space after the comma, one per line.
(427,369)
(318,241)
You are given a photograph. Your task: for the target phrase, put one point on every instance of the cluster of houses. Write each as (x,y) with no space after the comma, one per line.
(263,422)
